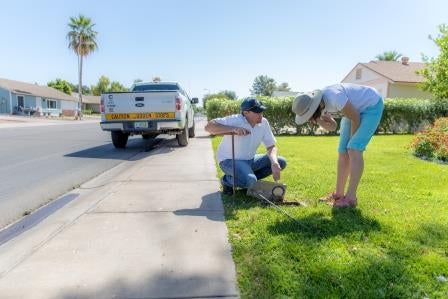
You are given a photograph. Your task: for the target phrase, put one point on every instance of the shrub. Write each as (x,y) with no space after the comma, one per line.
(409,115)
(442,154)
(433,142)
(221,107)
(399,116)
(423,148)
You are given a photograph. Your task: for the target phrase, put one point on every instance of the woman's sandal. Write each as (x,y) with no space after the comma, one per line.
(345,202)
(330,198)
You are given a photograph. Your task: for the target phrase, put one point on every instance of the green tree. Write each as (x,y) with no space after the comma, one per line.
(85,88)
(117,86)
(138,80)
(388,56)
(101,86)
(263,86)
(436,70)
(82,40)
(283,87)
(230,94)
(61,85)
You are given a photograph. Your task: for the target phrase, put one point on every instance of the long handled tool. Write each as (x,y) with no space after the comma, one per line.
(233,165)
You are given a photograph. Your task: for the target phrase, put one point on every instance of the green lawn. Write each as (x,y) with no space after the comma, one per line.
(394,245)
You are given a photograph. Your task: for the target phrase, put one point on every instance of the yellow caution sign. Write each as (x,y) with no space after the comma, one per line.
(133,116)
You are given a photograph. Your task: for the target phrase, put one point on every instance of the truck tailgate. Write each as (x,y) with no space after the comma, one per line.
(140,105)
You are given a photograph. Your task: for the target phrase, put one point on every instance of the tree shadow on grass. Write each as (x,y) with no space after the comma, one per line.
(320,226)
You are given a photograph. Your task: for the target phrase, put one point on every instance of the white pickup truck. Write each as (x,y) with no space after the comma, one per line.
(149,109)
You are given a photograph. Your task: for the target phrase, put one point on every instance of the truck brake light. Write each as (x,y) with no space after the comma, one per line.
(102,106)
(178,104)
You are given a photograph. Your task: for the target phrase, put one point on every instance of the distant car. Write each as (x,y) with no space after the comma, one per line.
(148,109)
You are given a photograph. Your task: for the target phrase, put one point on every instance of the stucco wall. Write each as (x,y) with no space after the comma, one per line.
(407,91)
(4,101)
(29,101)
(366,75)
(368,78)
(67,105)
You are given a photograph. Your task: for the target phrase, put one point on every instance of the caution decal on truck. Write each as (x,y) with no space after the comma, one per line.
(132,116)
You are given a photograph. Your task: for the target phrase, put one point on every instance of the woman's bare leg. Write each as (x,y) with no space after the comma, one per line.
(342,173)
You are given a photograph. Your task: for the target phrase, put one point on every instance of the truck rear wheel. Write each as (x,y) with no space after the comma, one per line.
(191,131)
(119,139)
(182,138)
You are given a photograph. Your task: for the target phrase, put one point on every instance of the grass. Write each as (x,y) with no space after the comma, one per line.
(393,245)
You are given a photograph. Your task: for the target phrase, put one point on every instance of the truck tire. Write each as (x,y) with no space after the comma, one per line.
(119,139)
(191,131)
(182,138)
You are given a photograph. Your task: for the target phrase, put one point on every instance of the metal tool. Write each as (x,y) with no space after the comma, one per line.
(280,209)
(233,165)
(273,191)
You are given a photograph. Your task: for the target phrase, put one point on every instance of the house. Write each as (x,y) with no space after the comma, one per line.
(279,94)
(393,79)
(89,102)
(25,98)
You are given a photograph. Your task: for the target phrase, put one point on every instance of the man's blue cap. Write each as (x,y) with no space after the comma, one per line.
(252,104)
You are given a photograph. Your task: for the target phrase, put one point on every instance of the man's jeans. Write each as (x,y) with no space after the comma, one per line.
(247,172)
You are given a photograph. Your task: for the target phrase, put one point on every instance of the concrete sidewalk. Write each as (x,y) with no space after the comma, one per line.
(149,228)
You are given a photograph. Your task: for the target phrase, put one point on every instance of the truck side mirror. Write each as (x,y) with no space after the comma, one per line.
(194,100)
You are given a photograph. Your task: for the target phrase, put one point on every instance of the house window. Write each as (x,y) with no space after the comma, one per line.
(20,101)
(358,74)
(51,104)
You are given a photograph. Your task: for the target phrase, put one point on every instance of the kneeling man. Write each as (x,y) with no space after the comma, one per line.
(250,129)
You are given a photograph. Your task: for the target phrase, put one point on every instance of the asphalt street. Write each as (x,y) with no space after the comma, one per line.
(39,163)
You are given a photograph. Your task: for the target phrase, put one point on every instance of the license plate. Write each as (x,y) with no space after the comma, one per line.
(140,124)
(131,116)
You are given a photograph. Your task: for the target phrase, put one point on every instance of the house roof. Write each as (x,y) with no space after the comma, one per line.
(34,89)
(396,70)
(87,99)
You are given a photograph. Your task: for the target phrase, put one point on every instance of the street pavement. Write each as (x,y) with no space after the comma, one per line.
(47,158)
(151,227)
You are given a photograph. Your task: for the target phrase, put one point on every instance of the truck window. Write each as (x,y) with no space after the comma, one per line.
(156,87)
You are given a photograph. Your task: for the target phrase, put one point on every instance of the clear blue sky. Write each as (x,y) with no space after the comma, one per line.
(209,46)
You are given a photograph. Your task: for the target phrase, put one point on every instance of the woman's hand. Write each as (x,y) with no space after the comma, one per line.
(327,122)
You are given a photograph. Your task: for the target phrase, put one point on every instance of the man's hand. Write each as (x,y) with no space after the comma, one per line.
(275,167)
(215,128)
(240,131)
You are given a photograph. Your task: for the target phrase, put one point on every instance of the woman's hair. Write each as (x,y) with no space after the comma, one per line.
(318,111)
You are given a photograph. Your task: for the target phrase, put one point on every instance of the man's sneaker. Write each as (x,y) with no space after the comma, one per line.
(227,190)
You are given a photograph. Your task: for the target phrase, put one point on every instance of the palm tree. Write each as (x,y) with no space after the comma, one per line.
(82,40)
(388,56)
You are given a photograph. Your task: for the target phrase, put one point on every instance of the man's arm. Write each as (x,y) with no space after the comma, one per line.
(215,128)
(275,166)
